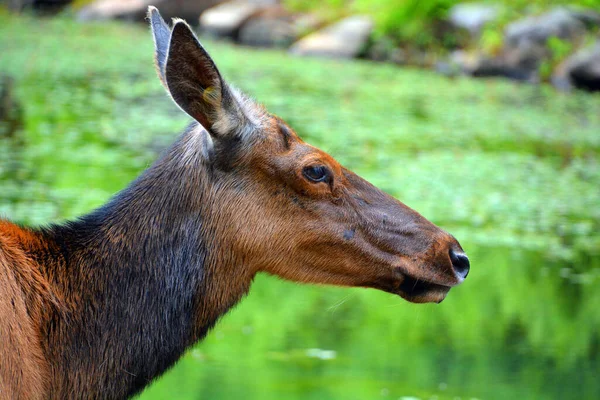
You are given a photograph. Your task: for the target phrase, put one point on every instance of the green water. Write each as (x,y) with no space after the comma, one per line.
(511,170)
(474,345)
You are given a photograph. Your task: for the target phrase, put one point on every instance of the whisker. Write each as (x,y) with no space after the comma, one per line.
(332,309)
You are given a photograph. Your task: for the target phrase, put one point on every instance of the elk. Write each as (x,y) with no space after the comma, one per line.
(98,307)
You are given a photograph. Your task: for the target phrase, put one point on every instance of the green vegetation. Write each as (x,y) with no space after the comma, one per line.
(418,22)
(511,170)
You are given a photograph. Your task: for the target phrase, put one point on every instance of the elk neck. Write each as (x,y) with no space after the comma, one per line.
(138,280)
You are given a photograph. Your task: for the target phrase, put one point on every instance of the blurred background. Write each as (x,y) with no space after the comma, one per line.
(485,117)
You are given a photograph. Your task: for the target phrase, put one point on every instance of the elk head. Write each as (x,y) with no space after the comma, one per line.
(281,206)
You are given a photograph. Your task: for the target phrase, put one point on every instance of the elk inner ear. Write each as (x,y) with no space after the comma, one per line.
(192,77)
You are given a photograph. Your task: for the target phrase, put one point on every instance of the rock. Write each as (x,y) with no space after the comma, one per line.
(44,6)
(477,65)
(559,22)
(459,62)
(306,23)
(526,55)
(581,70)
(526,43)
(472,16)
(112,9)
(398,56)
(135,10)
(589,17)
(19,5)
(497,67)
(382,49)
(267,32)
(344,39)
(226,19)
(272,27)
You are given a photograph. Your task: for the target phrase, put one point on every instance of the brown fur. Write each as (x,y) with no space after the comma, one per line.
(23,297)
(99,307)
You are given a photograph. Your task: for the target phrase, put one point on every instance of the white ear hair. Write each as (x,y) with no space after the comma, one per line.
(244,108)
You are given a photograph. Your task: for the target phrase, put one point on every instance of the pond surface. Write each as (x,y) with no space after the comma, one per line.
(520,327)
(526,323)
(294,342)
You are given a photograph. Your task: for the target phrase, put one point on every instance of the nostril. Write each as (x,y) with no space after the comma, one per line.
(461,264)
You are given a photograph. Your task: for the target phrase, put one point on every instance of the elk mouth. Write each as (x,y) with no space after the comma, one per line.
(421,291)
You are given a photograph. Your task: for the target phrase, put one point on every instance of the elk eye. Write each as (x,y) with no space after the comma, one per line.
(316,173)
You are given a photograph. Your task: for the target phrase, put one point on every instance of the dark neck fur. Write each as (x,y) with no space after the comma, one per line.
(137,281)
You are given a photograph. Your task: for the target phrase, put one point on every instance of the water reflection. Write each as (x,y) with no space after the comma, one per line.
(525,342)
(520,327)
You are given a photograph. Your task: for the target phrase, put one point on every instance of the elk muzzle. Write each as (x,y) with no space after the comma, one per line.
(438,276)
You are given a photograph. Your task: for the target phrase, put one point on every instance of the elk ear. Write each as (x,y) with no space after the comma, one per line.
(161,33)
(195,84)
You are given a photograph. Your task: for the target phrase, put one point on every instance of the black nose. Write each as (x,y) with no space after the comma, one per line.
(461,264)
